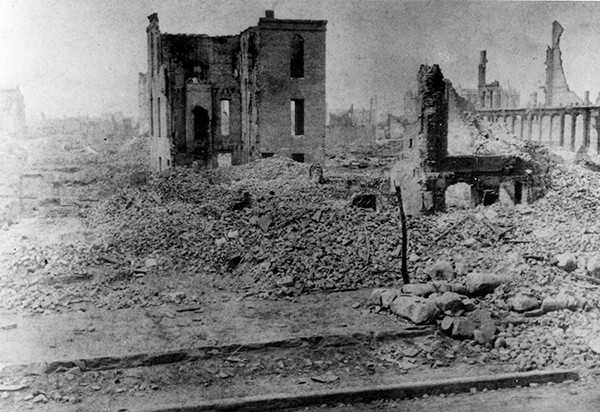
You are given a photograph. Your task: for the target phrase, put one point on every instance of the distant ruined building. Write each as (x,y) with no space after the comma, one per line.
(562,119)
(12,112)
(557,89)
(490,95)
(245,96)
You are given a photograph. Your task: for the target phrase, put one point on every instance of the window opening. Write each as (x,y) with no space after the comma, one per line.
(225,117)
(298,157)
(297,56)
(297,111)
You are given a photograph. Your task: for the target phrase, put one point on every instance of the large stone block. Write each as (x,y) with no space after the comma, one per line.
(482,283)
(417,310)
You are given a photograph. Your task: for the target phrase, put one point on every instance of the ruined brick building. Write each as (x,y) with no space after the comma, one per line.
(490,95)
(250,95)
(12,112)
(426,170)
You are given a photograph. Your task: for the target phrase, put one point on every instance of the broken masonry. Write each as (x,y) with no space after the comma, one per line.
(430,171)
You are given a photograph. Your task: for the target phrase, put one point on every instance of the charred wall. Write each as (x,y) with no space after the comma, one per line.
(279,86)
(236,94)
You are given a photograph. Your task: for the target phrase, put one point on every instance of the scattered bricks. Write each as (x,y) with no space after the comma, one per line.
(447,323)
(315,174)
(317,216)
(449,301)
(441,270)
(482,283)
(593,267)
(384,296)
(138,179)
(388,296)
(485,328)
(471,243)
(463,328)
(594,345)
(522,302)
(485,333)
(551,304)
(285,281)
(419,289)
(500,343)
(469,305)
(480,316)
(566,262)
(459,288)
(41,398)
(562,301)
(442,287)
(375,298)
(416,309)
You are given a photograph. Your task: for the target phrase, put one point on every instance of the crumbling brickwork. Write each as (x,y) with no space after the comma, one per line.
(557,89)
(492,95)
(248,95)
(425,176)
(434,117)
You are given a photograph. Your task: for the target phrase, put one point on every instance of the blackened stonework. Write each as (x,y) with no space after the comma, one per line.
(434,117)
(209,95)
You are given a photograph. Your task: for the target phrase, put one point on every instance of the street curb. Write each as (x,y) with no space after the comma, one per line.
(367,394)
(202,352)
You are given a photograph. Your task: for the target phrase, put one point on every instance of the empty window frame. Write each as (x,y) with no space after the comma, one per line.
(224,117)
(297,56)
(297,112)
(158,116)
(151,115)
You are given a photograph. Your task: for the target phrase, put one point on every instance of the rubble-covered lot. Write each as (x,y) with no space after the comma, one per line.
(265,230)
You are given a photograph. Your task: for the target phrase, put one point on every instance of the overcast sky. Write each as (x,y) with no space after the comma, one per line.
(77,57)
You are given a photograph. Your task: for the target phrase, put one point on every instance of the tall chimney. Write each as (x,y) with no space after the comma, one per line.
(482,62)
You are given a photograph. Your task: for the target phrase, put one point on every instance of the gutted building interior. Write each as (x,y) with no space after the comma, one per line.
(239,97)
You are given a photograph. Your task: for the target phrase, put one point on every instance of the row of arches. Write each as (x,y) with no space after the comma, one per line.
(570,130)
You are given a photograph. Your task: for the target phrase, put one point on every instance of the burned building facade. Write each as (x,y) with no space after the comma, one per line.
(490,95)
(426,170)
(251,95)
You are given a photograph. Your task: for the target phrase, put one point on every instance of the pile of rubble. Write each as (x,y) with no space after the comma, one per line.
(542,293)
(281,230)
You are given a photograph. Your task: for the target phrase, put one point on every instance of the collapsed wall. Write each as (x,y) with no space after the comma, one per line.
(424,174)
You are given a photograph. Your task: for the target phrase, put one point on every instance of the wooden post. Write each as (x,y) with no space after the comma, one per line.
(405,277)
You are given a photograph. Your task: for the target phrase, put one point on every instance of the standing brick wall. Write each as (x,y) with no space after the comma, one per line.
(278,88)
